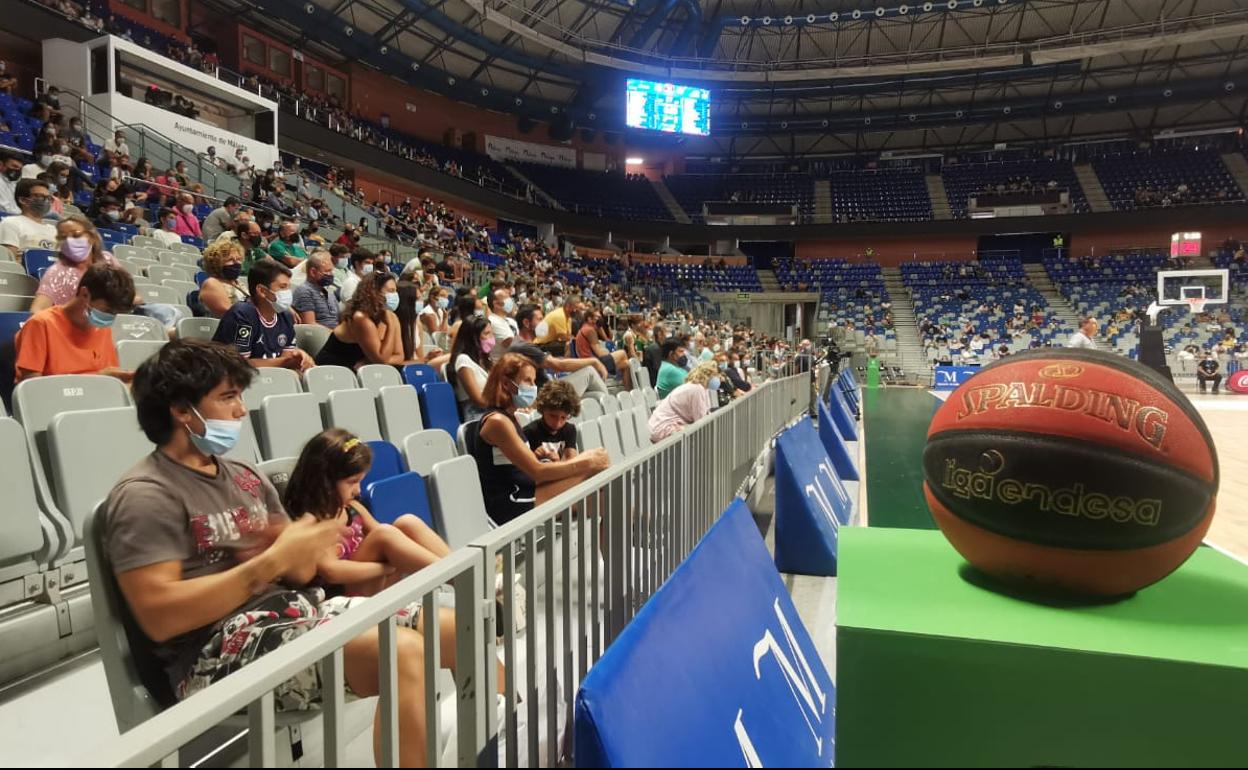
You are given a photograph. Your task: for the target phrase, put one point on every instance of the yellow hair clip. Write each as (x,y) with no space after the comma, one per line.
(351,443)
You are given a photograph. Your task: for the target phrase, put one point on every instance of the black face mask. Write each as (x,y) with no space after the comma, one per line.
(13,174)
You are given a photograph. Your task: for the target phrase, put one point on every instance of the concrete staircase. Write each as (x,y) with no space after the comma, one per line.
(1098,201)
(769,281)
(1237,164)
(537,191)
(1039,278)
(905,324)
(669,200)
(823,201)
(940,198)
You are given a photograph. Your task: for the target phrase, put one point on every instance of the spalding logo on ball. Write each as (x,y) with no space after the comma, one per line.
(1076,470)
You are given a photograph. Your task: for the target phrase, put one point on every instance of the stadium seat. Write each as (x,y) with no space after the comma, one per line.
(461,436)
(178,259)
(21,516)
(133,250)
(395,496)
(13,303)
(131,353)
(378,376)
(38,260)
(323,380)
(641,426)
(8,266)
(652,399)
(426,448)
(159,273)
(248,448)
(354,409)
(627,433)
(183,288)
(591,409)
(310,338)
(286,422)
(588,435)
(419,374)
(398,409)
(138,327)
(387,462)
(458,506)
(625,399)
(611,438)
(438,408)
(610,405)
(18,285)
(197,328)
(159,295)
(278,471)
(271,381)
(82,475)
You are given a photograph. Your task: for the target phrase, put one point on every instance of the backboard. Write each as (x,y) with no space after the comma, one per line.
(1179,287)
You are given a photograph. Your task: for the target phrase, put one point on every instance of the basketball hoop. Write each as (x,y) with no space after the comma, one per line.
(1197,304)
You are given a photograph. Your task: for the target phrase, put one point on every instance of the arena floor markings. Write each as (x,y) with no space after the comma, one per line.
(896,426)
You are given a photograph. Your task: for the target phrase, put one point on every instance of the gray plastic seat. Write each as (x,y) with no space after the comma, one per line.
(18,285)
(21,516)
(323,380)
(197,328)
(183,288)
(131,353)
(133,250)
(248,448)
(310,338)
(354,410)
(611,438)
(271,381)
(138,327)
(36,402)
(286,422)
(628,433)
(591,409)
(15,303)
(378,376)
(82,475)
(641,425)
(278,471)
(398,409)
(459,513)
(461,436)
(159,273)
(588,435)
(610,405)
(425,449)
(9,266)
(625,399)
(159,295)
(185,248)
(652,399)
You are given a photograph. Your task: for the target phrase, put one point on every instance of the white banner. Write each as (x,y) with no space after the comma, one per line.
(193,134)
(511,150)
(594,161)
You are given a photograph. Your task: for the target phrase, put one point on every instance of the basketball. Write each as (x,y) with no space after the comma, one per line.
(1074,470)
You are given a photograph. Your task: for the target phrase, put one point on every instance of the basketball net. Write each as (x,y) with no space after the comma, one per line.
(1197,304)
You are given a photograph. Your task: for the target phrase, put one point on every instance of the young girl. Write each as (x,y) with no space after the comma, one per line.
(326,483)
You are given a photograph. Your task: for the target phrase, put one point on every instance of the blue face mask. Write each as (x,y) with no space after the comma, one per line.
(444,303)
(219,437)
(283,300)
(420,305)
(723,366)
(392,301)
(509,305)
(99,319)
(525,396)
(713,385)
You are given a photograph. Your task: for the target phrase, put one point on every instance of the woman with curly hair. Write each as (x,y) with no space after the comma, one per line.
(686,404)
(223,262)
(368,330)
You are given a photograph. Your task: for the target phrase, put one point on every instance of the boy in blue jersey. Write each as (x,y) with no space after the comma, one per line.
(262,329)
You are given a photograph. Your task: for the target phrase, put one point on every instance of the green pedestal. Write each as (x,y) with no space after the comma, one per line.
(873,373)
(933,669)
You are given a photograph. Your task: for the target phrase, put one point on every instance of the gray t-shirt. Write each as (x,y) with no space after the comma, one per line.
(163,511)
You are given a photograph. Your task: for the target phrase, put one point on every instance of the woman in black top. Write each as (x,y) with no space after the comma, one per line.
(368,330)
(513,479)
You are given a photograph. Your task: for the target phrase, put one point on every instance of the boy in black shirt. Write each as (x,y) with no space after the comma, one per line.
(552,437)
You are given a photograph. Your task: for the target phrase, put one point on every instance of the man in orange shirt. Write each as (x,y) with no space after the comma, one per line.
(75,338)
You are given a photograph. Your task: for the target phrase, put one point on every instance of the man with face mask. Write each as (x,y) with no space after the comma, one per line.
(505,329)
(286,248)
(673,372)
(220,219)
(167,220)
(362,263)
(316,300)
(29,231)
(75,338)
(10,175)
(262,329)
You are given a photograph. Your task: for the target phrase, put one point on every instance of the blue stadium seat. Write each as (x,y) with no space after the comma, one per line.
(395,496)
(438,407)
(387,462)
(38,260)
(419,374)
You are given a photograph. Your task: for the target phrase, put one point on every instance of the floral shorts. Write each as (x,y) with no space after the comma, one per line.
(275,620)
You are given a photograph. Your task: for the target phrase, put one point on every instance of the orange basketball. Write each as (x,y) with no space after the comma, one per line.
(1076,470)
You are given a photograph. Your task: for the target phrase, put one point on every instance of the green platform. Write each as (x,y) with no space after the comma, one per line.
(933,669)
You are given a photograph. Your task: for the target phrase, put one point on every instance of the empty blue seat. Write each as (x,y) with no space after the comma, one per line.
(387,462)
(398,495)
(419,374)
(38,260)
(438,407)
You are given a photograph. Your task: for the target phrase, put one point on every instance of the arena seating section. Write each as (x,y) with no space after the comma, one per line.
(1125,172)
(882,195)
(849,293)
(740,278)
(609,194)
(964,181)
(692,190)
